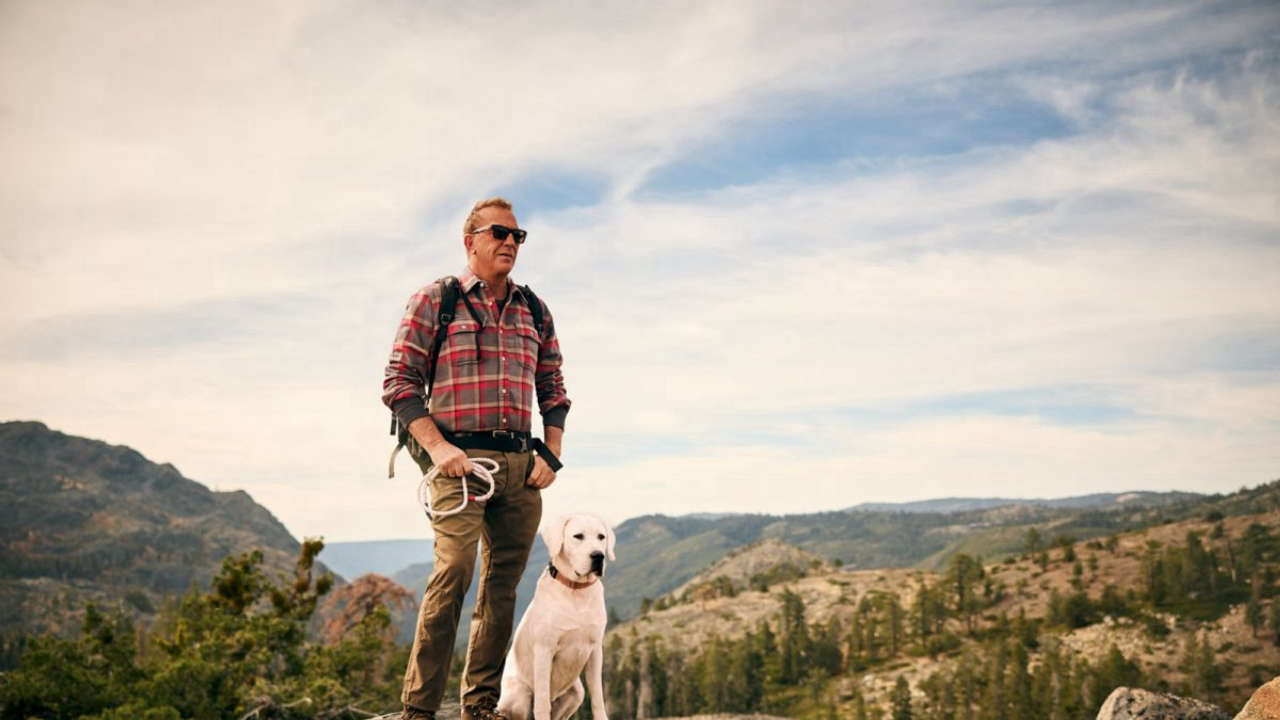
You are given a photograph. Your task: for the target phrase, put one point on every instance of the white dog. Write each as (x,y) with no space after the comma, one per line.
(562,631)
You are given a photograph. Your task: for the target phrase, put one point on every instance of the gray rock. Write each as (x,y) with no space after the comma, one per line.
(1137,704)
(1265,703)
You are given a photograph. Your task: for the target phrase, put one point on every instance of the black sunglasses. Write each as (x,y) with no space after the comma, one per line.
(500,233)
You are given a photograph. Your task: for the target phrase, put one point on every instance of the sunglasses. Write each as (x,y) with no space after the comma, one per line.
(500,233)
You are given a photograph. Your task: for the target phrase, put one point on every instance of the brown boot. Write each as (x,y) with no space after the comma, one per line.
(413,713)
(485,708)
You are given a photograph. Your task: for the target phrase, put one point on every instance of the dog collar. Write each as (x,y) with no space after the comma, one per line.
(555,575)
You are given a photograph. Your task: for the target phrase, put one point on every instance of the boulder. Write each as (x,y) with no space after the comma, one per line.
(1137,704)
(1265,703)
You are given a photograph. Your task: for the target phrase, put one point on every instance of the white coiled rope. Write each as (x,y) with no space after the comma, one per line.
(482,468)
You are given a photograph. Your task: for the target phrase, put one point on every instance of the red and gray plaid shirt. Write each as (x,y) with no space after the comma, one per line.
(488,372)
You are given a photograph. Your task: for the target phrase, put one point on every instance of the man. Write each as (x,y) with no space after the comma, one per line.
(489,368)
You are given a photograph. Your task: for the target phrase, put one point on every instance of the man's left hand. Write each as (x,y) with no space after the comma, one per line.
(542,475)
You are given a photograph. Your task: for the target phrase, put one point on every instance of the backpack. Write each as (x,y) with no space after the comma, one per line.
(449,296)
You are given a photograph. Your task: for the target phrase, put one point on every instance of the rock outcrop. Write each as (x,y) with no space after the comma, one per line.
(1265,703)
(1137,704)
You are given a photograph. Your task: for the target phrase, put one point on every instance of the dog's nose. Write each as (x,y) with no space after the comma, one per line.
(597,555)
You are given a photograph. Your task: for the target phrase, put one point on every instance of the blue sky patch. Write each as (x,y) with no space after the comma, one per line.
(813,134)
(549,189)
(1074,406)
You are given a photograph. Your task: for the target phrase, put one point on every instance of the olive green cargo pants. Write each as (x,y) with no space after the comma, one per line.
(506,523)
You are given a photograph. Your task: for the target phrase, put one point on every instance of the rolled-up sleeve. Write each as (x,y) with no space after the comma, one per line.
(403,383)
(553,401)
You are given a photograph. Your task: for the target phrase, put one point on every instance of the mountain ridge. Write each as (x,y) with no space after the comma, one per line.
(962,504)
(394,555)
(82,520)
(1107,608)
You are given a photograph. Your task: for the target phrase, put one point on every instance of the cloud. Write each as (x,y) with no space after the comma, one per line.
(820,239)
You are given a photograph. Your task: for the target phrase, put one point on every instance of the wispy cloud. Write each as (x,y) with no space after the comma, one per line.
(875,252)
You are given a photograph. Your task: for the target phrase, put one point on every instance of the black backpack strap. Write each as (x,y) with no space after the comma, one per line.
(535,309)
(444,315)
(449,295)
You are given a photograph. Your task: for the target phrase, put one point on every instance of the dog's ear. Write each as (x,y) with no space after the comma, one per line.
(608,540)
(553,535)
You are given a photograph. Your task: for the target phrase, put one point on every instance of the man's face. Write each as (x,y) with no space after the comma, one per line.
(487,254)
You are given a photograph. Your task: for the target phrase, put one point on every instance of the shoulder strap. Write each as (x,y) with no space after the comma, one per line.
(444,315)
(535,308)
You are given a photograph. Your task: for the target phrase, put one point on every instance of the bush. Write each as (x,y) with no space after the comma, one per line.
(241,647)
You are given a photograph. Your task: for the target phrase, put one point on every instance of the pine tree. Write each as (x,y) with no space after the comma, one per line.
(1034,542)
(859,705)
(745,689)
(920,614)
(794,638)
(968,686)
(713,675)
(771,668)
(1275,621)
(963,574)
(656,671)
(896,630)
(1019,685)
(1253,609)
(854,659)
(900,700)
(1204,674)
(236,650)
(823,656)
(1113,671)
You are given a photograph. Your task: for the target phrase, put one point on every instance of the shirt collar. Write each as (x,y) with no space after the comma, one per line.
(469,280)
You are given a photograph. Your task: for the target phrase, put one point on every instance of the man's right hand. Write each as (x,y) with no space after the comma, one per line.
(450,458)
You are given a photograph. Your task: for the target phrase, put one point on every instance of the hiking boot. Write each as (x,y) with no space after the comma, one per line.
(485,708)
(413,713)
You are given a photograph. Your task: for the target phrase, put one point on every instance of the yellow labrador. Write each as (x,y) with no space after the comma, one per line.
(562,631)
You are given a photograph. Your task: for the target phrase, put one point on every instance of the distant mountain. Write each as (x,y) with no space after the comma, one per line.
(82,520)
(657,554)
(1096,500)
(384,557)
(884,641)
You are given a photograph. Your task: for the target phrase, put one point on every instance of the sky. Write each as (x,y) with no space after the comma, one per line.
(799,255)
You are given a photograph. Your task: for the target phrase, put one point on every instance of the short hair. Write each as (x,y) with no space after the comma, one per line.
(470,225)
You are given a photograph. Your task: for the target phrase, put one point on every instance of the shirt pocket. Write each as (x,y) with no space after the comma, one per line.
(525,348)
(461,346)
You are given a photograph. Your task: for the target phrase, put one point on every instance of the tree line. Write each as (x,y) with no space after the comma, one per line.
(789,665)
(238,650)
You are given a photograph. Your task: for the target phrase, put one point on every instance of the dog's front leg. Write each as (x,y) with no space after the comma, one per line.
(543,655)
(595,686)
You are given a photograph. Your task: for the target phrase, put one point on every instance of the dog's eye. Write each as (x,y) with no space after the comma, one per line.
(599,537)
(578,536)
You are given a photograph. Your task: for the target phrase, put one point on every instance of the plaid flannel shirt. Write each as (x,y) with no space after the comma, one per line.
(488,372)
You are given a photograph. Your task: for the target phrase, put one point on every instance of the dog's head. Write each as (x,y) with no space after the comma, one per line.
(579,544)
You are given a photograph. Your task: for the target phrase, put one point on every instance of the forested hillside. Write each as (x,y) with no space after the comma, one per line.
(81,521)
(660,553)
(1189,606)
